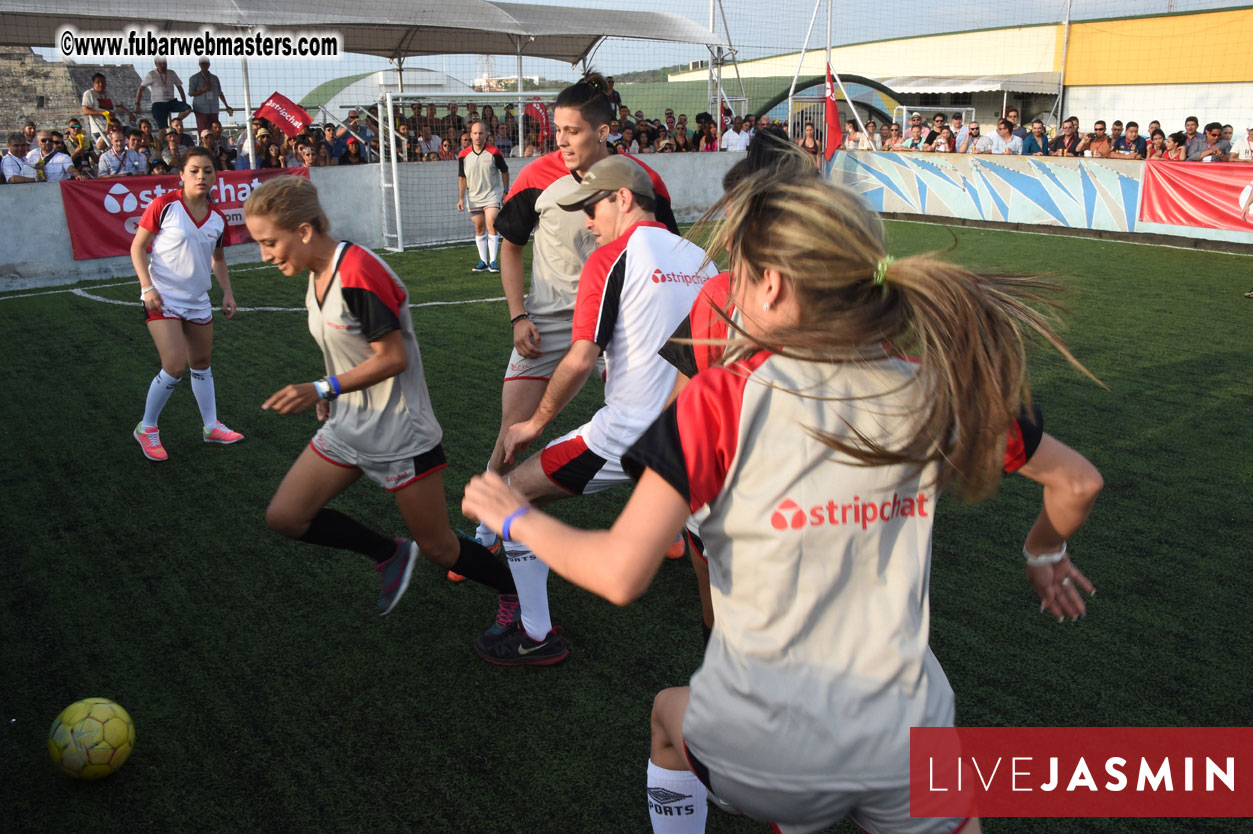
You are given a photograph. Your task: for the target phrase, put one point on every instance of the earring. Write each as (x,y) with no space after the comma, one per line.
(766,306)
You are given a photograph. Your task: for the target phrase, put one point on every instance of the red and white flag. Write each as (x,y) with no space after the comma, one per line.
(283,112)
(537,111)
(835,136)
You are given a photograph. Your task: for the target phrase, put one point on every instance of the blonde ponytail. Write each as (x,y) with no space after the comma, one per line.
(967,332)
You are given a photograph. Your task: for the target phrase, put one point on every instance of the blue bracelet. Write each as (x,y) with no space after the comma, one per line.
(504,529)
(334,381)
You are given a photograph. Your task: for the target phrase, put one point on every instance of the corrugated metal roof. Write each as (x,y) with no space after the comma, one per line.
(387,28)
(1030,82)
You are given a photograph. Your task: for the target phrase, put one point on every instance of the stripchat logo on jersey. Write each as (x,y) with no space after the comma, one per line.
(792,516)
(660,277)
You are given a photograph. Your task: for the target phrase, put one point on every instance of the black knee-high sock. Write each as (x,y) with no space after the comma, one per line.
(331,528)
(477,562)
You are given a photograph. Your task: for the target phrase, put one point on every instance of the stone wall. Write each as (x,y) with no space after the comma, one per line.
(25,78)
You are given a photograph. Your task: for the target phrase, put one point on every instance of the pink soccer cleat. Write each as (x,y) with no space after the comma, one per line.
(221,434)
(150,442)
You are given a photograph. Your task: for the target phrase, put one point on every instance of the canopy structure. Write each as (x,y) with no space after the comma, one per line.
(1046,83)
(392,29)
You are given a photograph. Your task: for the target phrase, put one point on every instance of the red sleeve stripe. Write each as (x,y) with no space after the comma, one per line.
(708,415)
(361,269)
(658,185)
(155,213)
(1023,438)
(465,151)
(540,173)
(707,323)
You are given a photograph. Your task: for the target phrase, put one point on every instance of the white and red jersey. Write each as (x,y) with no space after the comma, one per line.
(633,292)
(482,171)
(562,242)
(182,249)
(393,419)
(819,570)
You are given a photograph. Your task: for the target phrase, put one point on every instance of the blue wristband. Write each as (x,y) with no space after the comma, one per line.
(509,519)
(334,381)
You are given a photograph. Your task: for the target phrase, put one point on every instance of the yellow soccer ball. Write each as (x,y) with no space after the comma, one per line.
(91,738)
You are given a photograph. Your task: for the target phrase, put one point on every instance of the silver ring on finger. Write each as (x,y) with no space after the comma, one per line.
(1066,581)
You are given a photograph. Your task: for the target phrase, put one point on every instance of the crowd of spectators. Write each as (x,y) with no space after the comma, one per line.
(1215,143)
(97,144)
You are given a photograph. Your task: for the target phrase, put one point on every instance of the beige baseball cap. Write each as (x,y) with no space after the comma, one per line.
(606,177)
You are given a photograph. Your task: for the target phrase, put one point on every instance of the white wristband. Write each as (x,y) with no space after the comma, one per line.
(146,290)
(1044,558)
(323,388)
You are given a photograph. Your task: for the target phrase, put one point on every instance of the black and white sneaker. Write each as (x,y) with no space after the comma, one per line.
(513,647)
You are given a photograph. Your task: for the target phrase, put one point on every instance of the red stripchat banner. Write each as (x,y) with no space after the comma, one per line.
(102,215)
(1081,771)
(1215,195)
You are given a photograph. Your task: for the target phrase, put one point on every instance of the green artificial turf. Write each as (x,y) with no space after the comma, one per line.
(269,697)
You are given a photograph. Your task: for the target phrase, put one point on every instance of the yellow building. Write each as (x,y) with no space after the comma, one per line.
(1163,67)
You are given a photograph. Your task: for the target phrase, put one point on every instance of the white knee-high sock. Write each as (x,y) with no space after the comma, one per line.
(493,246)
(159,391)
(676,801)
(481,242)
(202,387)
(531,576)
(485,534)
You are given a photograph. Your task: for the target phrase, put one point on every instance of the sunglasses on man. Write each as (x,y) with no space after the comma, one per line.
(590,208)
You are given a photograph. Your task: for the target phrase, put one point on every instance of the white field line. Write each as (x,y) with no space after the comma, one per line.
(81,293)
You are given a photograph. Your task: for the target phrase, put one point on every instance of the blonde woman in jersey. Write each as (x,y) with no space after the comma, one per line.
(819,453)
(184,232)
(373,402)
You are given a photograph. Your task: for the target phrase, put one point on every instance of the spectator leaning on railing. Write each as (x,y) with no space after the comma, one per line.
(1193,140)
(1131,145)
(1157,145)
(1066,143)
(1176,147)
(14,165)
(1096,143)
(1004,141)
(1242,148)
(1212,147)
(119,160)
(915,141)
(1036,143)
(976,142)
(50,164)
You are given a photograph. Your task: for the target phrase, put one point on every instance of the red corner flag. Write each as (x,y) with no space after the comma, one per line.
(835,136)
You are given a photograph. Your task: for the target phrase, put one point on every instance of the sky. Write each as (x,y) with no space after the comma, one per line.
(755,29)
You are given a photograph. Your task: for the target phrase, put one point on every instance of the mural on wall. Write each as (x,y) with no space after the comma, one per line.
(1073,193)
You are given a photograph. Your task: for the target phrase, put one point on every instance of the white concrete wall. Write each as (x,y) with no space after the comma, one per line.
(1169,104)
(429,192)
(35,247)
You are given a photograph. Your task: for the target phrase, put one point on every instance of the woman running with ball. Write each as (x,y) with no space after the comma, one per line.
(376,412)
(819,451)
(185,232)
